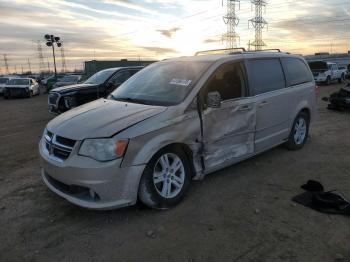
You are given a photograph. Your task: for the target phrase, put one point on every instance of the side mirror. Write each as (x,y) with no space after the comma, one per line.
(214,99)
(326,99)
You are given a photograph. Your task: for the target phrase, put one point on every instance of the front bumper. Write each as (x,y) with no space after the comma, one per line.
(320,79)
(16,92)
(89,183)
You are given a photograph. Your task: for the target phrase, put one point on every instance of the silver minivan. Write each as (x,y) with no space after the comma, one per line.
(176,121)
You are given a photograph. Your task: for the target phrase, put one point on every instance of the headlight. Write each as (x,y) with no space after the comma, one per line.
(70,101)
(104,149)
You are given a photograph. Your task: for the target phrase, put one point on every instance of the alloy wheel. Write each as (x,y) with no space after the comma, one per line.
(300,131)
(169,175)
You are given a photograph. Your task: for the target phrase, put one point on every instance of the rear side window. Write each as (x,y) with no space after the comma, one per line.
(265,75)
(296,71)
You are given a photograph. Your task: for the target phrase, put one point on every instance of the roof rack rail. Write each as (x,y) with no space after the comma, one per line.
(220,51)
(267,50)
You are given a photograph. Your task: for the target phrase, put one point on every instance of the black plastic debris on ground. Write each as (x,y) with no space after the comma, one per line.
(339,100)
(330,202)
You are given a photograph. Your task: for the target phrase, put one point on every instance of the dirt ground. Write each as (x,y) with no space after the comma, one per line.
(242,213)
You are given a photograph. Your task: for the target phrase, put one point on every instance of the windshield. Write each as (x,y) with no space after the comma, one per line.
(19,82)
(100,77)
(165,83)
(3,80)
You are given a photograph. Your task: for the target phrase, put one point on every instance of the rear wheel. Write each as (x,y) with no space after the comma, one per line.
(328,81)
(341,79)
(165,179)
(299,132)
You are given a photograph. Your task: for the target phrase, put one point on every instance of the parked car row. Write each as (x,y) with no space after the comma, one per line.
(99,85)
(18,87)
(59,80)
(172,122)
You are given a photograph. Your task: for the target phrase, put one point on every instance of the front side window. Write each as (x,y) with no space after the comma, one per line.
(165,83)
(265,75)
(229,81)
(296,71)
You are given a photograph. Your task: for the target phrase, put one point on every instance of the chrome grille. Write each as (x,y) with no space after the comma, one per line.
(58,146)
(53,98)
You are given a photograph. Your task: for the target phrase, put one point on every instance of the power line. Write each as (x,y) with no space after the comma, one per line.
(258,23)
(232,21)
(40,56)
(6,64)
(29,66)
(63,60)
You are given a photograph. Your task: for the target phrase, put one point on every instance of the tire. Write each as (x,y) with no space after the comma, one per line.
(341,79)
(163,191)
(30,93)
(299,133)
(6,95)
(328,81)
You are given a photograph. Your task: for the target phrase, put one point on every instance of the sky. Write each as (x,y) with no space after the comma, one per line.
(158,29)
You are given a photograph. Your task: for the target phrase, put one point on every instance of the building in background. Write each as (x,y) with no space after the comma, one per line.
(94,66)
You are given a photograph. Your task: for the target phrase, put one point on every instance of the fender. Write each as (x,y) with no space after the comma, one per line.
(142,148)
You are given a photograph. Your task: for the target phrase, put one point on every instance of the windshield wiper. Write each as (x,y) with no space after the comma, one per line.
(132,100)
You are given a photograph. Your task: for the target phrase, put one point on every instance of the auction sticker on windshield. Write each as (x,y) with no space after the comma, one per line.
(180,82)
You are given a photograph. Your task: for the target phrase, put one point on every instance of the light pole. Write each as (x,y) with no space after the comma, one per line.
(50,41)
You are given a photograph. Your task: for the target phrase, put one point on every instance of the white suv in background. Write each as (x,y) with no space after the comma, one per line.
(174,121)
(326,72)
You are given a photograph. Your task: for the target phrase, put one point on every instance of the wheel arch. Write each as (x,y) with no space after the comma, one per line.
(302,107)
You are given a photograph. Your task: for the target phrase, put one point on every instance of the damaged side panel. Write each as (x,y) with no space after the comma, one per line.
(183,130)
(229,131)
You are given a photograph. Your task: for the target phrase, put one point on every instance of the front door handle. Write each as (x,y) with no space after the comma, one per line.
(263,103)
(244,108)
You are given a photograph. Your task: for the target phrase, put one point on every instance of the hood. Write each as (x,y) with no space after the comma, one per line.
(100,118)
(70,88)
(318,66)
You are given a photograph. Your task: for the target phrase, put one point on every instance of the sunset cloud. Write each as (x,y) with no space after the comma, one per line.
(157,29)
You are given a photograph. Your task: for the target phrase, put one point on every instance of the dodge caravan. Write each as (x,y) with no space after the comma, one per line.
(176,121)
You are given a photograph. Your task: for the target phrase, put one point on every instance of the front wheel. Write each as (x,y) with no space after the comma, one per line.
(165,179)
(328,81)
(7,95)
(30,93)
(299,132)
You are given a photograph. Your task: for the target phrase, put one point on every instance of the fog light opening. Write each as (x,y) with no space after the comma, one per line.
(92,193)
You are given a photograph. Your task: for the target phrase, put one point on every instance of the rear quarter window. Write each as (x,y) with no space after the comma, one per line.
(265,75)
(296,71)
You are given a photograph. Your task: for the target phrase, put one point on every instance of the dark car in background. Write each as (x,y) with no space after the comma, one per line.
(99,85)
(68,80)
